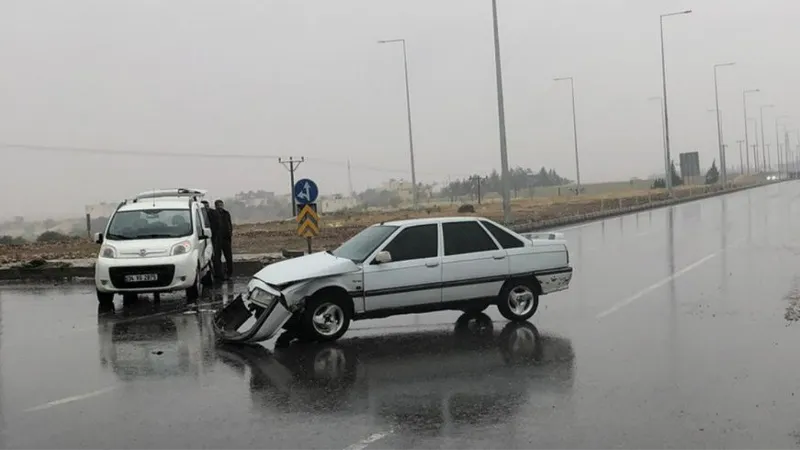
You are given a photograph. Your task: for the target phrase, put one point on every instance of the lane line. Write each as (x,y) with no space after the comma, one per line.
(74,398)
(655,286)
(364,443)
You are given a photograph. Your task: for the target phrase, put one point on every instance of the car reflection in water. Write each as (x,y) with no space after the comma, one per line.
(136,344)
(424,381)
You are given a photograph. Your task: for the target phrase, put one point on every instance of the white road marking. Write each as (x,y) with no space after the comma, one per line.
(369,440)
(74,398)
(655,286)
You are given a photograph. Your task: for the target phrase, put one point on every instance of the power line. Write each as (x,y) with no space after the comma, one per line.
(167,154)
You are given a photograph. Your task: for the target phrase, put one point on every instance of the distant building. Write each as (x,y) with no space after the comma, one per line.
(336,203)
(255,198)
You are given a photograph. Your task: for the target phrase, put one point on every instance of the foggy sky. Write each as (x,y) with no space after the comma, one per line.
(307,78)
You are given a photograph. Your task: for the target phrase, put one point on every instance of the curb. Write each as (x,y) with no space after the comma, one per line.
(250,267)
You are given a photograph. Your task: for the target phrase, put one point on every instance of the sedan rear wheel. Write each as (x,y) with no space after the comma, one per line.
(518,300)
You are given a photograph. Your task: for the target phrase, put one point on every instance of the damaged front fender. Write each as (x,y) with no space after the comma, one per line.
(253,317)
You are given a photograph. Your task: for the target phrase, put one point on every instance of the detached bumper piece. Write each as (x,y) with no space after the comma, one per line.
(245,322)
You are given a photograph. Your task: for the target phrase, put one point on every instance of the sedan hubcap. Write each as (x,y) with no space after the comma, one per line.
(520,300)
(328,319)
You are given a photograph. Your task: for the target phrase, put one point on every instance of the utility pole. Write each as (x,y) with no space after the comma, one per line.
(350,179)
(741,160)
(755,154)
(501,120)
(291,165)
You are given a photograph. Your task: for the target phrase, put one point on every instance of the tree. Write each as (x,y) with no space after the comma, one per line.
(712,176)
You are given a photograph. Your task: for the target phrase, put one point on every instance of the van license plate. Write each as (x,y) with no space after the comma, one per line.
(138,278)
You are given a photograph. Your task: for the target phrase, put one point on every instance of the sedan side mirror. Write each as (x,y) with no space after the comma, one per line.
(383,257)
(98,238)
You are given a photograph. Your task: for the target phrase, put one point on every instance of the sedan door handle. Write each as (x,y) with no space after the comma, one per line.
(499,257)
(432,264)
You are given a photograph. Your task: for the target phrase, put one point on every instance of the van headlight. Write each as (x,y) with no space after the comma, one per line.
(181,248)
(107,251)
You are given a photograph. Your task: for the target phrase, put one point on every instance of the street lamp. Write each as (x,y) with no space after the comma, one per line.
(755,145)
(746,137)
(501,117)
(408,110)
(763,148)
(741,159)
(777,143)
(667,170)
(663,134)
(719,127)
(574,131)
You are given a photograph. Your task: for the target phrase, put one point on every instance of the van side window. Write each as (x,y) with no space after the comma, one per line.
(198,223)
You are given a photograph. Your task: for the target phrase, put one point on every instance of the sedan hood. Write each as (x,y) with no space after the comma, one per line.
(315,265)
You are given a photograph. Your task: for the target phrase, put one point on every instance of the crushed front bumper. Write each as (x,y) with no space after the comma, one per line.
(248,322)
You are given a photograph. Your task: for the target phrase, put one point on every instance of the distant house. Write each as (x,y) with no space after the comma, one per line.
(336,203)
(255,198)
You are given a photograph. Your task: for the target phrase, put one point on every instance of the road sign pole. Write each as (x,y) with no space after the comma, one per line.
(308,241)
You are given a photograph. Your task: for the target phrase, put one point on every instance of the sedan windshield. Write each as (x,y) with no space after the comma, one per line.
(150,224)
(359,247)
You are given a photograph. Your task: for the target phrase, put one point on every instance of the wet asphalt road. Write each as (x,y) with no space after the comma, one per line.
(678,331)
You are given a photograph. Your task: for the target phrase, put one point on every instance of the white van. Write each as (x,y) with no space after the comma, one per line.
(158,242)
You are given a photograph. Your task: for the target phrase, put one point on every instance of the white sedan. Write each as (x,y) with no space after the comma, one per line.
(400,267)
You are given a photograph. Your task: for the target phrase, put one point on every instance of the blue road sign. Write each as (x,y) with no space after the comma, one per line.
(305,192)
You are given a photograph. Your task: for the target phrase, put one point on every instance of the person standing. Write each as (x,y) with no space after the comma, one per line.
(214,219)
(225,236)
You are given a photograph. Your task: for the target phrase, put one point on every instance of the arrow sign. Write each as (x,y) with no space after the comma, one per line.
(308,221)
(305,192)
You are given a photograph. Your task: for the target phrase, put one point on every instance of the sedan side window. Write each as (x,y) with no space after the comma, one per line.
(416,242)
(466,237)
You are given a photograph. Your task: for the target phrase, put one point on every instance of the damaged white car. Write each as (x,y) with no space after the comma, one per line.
(400,267)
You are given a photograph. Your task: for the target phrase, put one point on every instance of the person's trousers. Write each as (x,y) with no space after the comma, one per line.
(227,252)
(218,272)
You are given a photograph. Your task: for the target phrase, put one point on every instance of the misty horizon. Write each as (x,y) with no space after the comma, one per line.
(307,78)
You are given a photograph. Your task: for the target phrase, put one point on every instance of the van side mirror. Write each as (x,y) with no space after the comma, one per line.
(383,257)
(98,238)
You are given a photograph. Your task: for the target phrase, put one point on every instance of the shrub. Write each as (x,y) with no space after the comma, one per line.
(53,236)
(10,240)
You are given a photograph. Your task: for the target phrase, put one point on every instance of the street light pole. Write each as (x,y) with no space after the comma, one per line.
(763,149)
(719,127)
(778,140)
(408,110)
(574,132)
(746,137)
(668,172)
(501,117)
(741,158)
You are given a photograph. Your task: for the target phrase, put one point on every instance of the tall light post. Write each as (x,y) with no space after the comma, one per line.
(755,145)
(667,171)
(763,149)
(778,140)
(746,137)
(501,117)
(741,158)
(408,110)
(574,131)
(719,127)
(663,134)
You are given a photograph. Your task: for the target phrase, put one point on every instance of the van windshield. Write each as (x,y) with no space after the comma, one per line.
(359,247)
(150,224)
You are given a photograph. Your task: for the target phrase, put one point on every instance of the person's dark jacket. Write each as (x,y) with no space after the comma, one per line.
(214,219)
(225,225)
